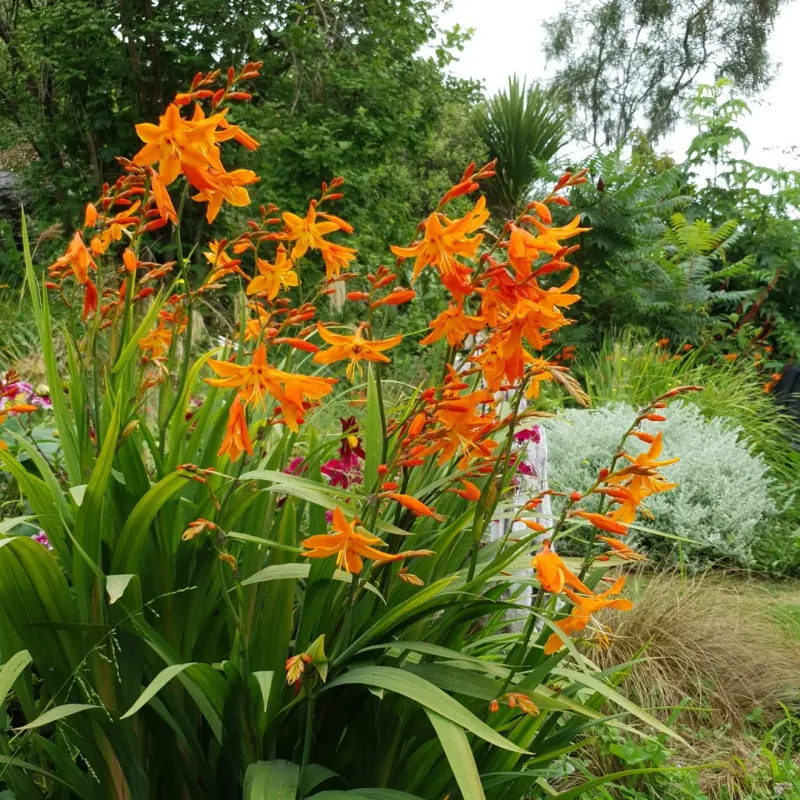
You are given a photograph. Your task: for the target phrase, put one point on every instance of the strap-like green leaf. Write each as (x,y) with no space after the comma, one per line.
(619,699)
(459,754)
(365,794)
(160,680)
(285,572)
(264,680)
(271,780)
(426,694)
(373,435)
(12,669)
(394,615)
(57,713)
(116,586)
(132,539)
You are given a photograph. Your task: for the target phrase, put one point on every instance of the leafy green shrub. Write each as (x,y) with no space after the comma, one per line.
(723,493)
(630,368)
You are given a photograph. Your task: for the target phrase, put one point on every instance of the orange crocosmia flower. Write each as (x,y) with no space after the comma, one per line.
(630,500)
(643,470)
(222,264)
(549,238)
(163,201)
(307,234)
(227,131)
(463,429)
(353,348)
(621,550)
(77,260)
(158,341)
(469,492)
(114,228)
(417,507)
(257,379)
(336,258)
(273,277)
(522,251)
(221,186)
(454,325)
(254,326)
(581,615)
(553,574)
(176,141)
(445,239)
(602,522)
(237,437)
(348,546)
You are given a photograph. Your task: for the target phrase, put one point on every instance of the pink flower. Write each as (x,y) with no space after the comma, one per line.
(533,434)
(41,537)
(342,473)
(296,466)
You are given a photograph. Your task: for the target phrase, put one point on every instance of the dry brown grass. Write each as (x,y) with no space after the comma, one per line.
(709,639)
(717,640)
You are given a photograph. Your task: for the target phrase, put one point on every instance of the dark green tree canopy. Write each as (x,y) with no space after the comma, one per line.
(632,63)
(344,88)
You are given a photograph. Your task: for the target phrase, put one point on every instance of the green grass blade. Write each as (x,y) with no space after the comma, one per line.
(459,754)
(271,780)
(426,694)
(158,683)
(57,713)
(12,669)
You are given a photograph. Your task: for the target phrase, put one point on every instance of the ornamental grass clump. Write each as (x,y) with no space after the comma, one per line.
(237,604)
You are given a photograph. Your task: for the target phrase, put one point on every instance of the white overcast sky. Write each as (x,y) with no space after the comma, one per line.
(508,38)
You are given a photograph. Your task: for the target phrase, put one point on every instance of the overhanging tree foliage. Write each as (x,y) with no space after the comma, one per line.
(632,63)
(343,86)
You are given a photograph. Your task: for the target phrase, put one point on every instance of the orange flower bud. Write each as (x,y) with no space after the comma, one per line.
(603,474)
(562,181)
(534,525)
(417,424)
(575,496)
(655,417)
(602,522)
(129,260)
(182,99)
(299,344)
(240,96)
(396,298)
(389,486)
(357,296)
(561,201)
(90,216)
(155,224)
(417,507)
(382,469)
(385,281)
(543,211)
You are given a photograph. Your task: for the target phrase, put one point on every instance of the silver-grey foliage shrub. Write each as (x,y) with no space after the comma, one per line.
(723,494)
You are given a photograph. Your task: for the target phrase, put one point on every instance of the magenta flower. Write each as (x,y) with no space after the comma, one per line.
(41,537)
(533,434)
(341,472)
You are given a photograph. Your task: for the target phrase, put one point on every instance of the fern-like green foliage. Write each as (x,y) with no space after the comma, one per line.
(645,264)
(524,128)
(689,275)
(626,205)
